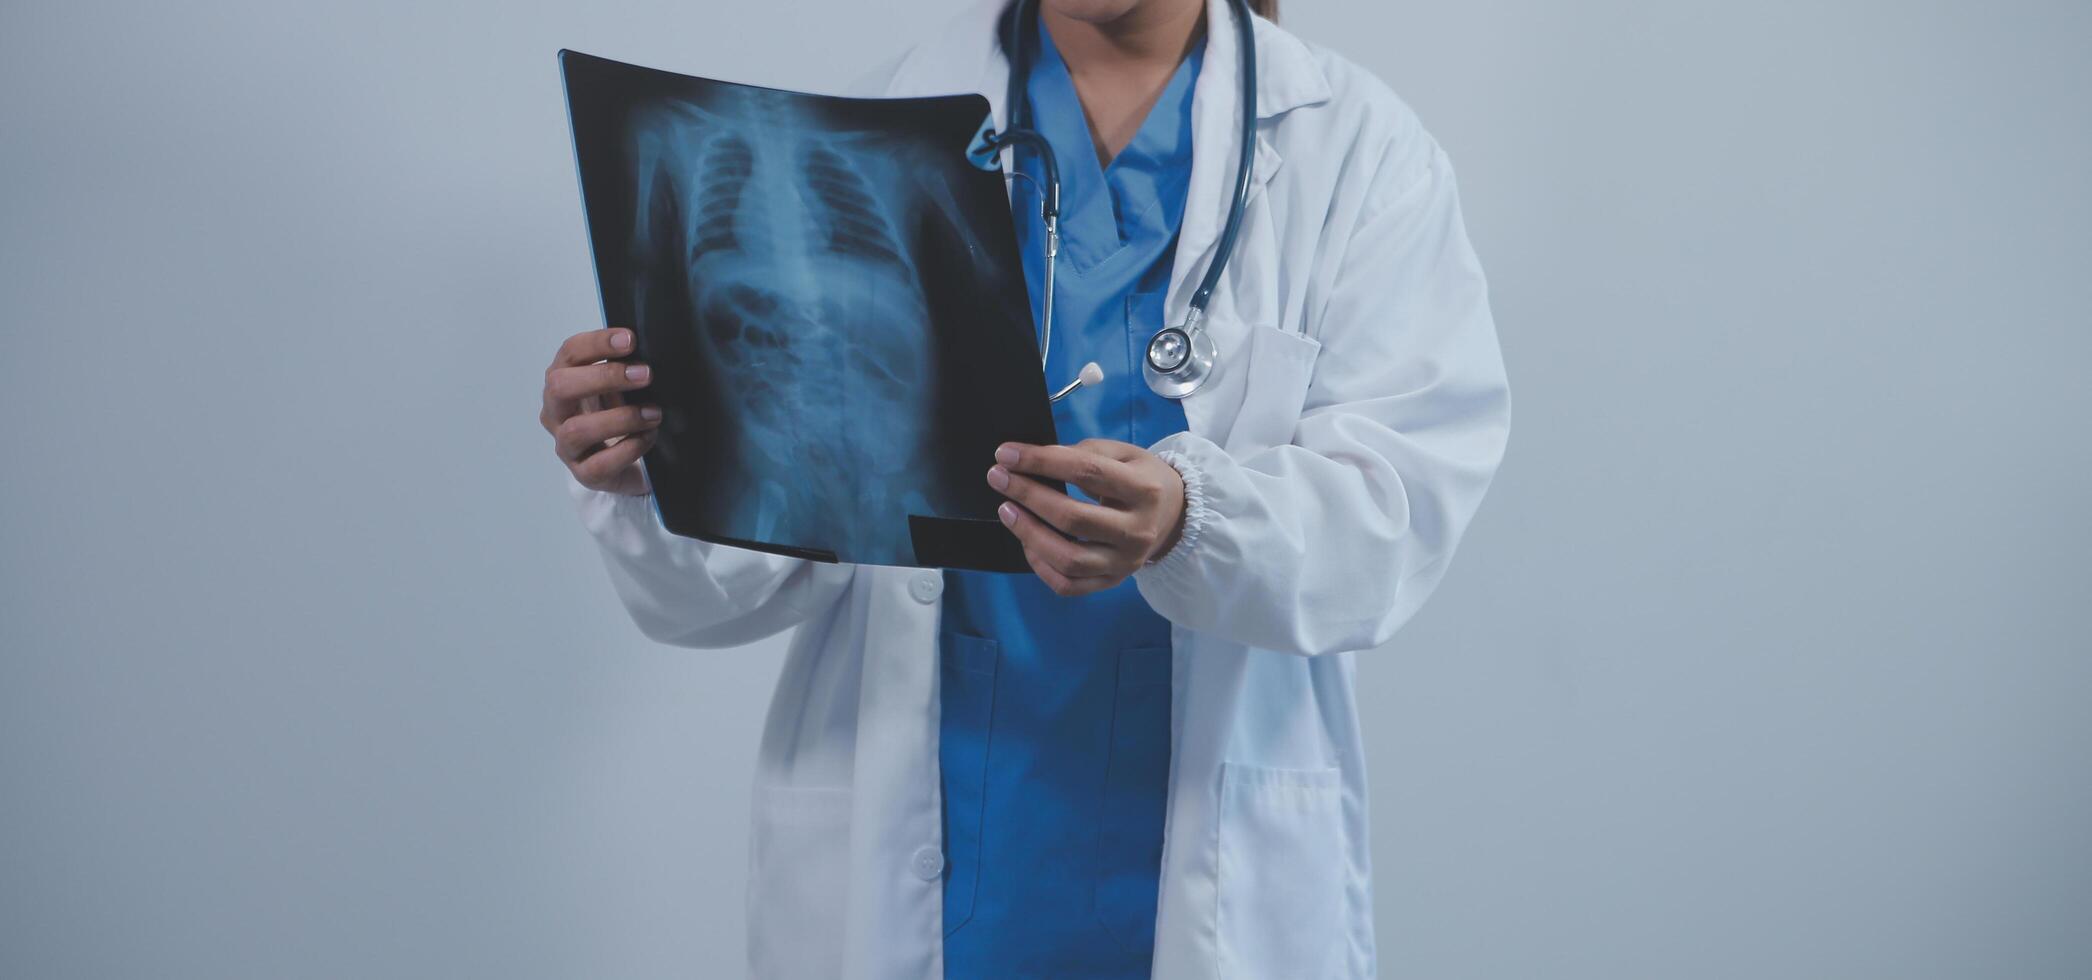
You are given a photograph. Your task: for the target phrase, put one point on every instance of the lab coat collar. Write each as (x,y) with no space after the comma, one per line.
(966,55)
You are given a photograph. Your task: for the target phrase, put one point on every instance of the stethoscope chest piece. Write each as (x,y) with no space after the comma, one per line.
(1179,360)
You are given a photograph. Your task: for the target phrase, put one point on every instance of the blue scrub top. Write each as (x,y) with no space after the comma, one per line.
(1055,718)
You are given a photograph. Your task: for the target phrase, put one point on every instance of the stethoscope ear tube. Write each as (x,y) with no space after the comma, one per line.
(1050,216)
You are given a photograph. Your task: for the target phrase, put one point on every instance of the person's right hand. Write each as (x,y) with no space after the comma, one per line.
(598,436)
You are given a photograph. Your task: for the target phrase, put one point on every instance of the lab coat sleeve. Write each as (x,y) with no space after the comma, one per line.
(1333,541)
(692,593)
(875,82)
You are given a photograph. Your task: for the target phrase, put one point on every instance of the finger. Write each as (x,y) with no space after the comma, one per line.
(586,433)
(591,346)
(582,350)
(571,384)
(1074,559)
(1077,517)
(1061,584)
(600,468)
(1097,475)
(1124,452)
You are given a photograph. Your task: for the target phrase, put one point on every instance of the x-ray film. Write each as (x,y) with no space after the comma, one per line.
(829,295)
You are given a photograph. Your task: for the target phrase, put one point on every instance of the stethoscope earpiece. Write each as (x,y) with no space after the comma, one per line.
(1090,375)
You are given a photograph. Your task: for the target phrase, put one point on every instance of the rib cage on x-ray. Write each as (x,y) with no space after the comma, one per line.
(773,250)
(794,277)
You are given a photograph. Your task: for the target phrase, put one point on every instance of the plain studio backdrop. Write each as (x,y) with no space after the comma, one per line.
(1768,656)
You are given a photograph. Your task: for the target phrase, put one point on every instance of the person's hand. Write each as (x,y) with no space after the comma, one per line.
(1138,516)
(596,435)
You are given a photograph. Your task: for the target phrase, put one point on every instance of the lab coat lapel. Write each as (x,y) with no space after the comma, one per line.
(1287,79)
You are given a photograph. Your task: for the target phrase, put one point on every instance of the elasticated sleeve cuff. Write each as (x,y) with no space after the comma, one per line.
(1198,514)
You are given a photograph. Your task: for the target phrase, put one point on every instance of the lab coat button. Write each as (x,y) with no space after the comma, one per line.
(929,863)
(926,587)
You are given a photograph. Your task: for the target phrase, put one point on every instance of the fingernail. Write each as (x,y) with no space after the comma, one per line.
(1006,454)
(1008,513)
(621,339)
(998,478)
(651,413)
(636,372)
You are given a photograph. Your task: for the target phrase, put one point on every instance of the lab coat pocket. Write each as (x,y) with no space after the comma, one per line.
(966,697)
(1281,363)
(1136,790)
(796,865)
(1281,873)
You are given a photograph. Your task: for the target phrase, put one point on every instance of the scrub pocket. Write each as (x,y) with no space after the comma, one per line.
(1136,791)
(966,700)
(1146,417)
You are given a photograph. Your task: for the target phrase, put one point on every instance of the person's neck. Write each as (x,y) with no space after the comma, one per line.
(1121,66)
(1153,36)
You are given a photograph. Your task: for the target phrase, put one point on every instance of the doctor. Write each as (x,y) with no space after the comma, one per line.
(1144,759)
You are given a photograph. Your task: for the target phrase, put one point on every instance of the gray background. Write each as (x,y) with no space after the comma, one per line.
(1767,657)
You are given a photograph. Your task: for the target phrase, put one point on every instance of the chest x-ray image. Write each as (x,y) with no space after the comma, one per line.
(829,295)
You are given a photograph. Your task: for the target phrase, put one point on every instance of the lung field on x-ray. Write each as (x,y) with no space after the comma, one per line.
(836,343)
(808,318)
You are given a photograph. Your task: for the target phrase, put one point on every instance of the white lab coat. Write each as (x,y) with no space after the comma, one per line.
(1330,469)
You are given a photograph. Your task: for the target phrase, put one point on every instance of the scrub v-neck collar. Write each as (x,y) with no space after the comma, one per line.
(1153,168)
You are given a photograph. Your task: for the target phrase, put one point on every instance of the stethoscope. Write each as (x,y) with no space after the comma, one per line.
(1182,358)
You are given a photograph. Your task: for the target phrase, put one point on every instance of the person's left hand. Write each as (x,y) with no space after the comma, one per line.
(1137,518)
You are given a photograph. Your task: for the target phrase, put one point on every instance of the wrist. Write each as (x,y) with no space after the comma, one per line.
(1176,531)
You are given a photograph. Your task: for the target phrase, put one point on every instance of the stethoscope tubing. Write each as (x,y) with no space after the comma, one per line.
(1192,355)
